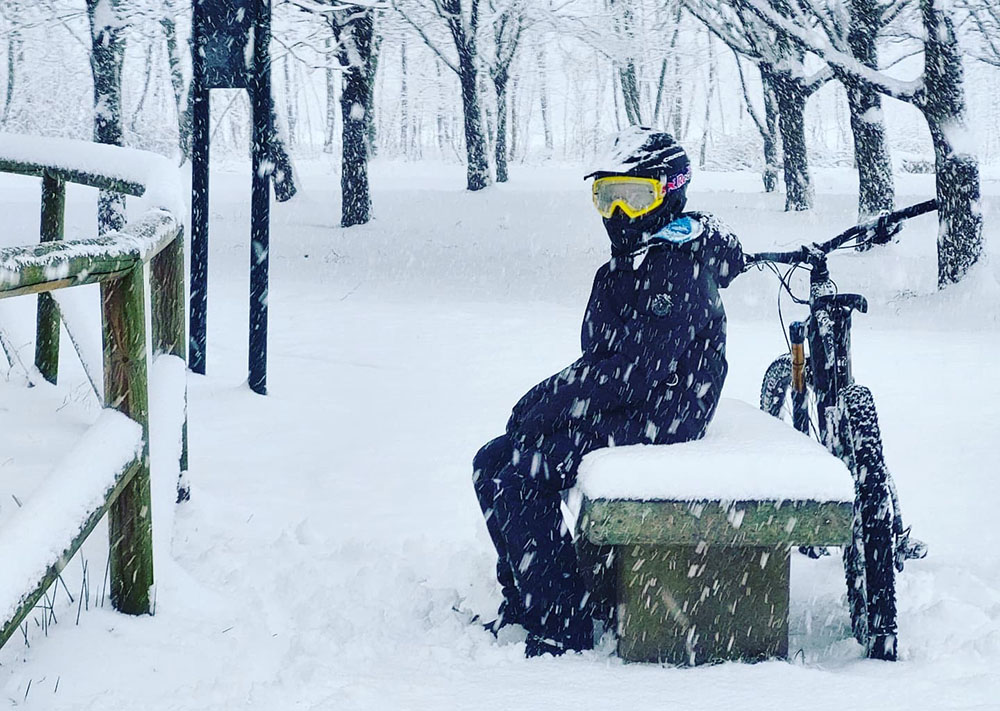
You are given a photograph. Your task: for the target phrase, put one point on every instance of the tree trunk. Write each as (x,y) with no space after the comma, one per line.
(283,176)
(771,139)
(331,99)
(960,235)
(791,97)
(614,100)
(630,94)
(404,105)
(544,102)
(13,55)
(658,102)
(107,53)
(514,117)
(146,82)
(709,91)
(876,192)
(290,113)
(355,96)
(372,65)
(501,143)
(489,131)
(441,124)
(169,26)
(478,170)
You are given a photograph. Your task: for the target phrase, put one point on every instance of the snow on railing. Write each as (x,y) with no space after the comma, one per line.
(43,534)
(109,470)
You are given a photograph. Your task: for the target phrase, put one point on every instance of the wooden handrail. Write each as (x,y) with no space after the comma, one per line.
(70,175)
(120,170)
(55,265)
(115,261)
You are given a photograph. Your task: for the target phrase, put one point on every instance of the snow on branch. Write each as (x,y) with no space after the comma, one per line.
(319,8)
(815,41)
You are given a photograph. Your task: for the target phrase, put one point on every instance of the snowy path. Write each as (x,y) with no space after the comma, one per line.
(333,527)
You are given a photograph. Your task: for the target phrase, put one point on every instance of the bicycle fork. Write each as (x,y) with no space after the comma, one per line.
(800,402)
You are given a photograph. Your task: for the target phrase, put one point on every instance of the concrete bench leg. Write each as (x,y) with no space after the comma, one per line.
(694,604)
(598,565)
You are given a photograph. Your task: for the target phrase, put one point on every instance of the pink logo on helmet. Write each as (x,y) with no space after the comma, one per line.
(679,180)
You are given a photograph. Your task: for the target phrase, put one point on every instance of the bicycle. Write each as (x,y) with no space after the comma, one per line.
(816,392)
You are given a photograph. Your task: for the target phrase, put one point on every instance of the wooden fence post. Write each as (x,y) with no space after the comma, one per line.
(125,389)
(47,323)
(167,301)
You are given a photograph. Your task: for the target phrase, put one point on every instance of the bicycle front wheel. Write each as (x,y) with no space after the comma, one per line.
(869,561)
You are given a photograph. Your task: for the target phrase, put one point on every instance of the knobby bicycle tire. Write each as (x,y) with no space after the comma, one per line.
(873,617)
(873,516)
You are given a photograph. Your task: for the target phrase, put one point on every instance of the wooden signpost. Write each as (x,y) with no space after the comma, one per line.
(231,40)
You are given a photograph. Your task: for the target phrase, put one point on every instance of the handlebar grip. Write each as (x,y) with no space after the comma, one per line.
(913,210)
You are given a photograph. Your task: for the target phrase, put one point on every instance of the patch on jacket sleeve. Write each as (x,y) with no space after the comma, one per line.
(661,304)
(681,231)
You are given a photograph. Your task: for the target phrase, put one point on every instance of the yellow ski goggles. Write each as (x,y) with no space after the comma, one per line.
(635,196)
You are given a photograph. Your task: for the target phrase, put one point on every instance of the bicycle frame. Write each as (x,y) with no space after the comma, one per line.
(828,333)
(828,328)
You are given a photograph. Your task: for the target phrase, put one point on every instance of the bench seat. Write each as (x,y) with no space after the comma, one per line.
(701,534)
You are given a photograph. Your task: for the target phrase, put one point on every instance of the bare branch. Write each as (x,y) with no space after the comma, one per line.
(427,40)
(746,94)
(721,29)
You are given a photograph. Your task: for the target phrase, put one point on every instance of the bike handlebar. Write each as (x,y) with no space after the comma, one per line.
(878,226)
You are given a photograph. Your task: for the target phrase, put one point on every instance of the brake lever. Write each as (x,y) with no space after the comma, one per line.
(812,252)
(881,230)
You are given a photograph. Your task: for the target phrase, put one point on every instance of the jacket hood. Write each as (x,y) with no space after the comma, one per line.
(710,241)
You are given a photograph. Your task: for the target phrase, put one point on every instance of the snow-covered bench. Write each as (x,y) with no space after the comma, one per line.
(702,533)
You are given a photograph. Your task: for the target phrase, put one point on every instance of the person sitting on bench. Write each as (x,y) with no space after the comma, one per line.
(652,369)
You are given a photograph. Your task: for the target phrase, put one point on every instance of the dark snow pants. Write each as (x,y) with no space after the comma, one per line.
(520,496)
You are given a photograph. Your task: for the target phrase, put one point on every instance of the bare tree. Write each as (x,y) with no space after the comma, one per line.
(782,65)
(168,23)
(853,26)
(107,33)
(330,59)
(624,26)
(463,26)
(508,26)
(767,126)
(9,15)
(984,18)
(940,95)
(858,34)
(352,30)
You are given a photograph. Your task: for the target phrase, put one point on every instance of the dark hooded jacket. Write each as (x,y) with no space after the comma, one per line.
(654,348)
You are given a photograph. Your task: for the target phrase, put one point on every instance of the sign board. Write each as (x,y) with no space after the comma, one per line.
(223,32)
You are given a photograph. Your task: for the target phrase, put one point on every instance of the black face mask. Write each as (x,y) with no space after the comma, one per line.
(627,234)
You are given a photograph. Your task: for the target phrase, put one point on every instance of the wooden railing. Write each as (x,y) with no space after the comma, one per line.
(115,261)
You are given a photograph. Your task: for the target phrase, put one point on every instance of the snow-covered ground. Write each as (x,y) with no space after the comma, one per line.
(332,527)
